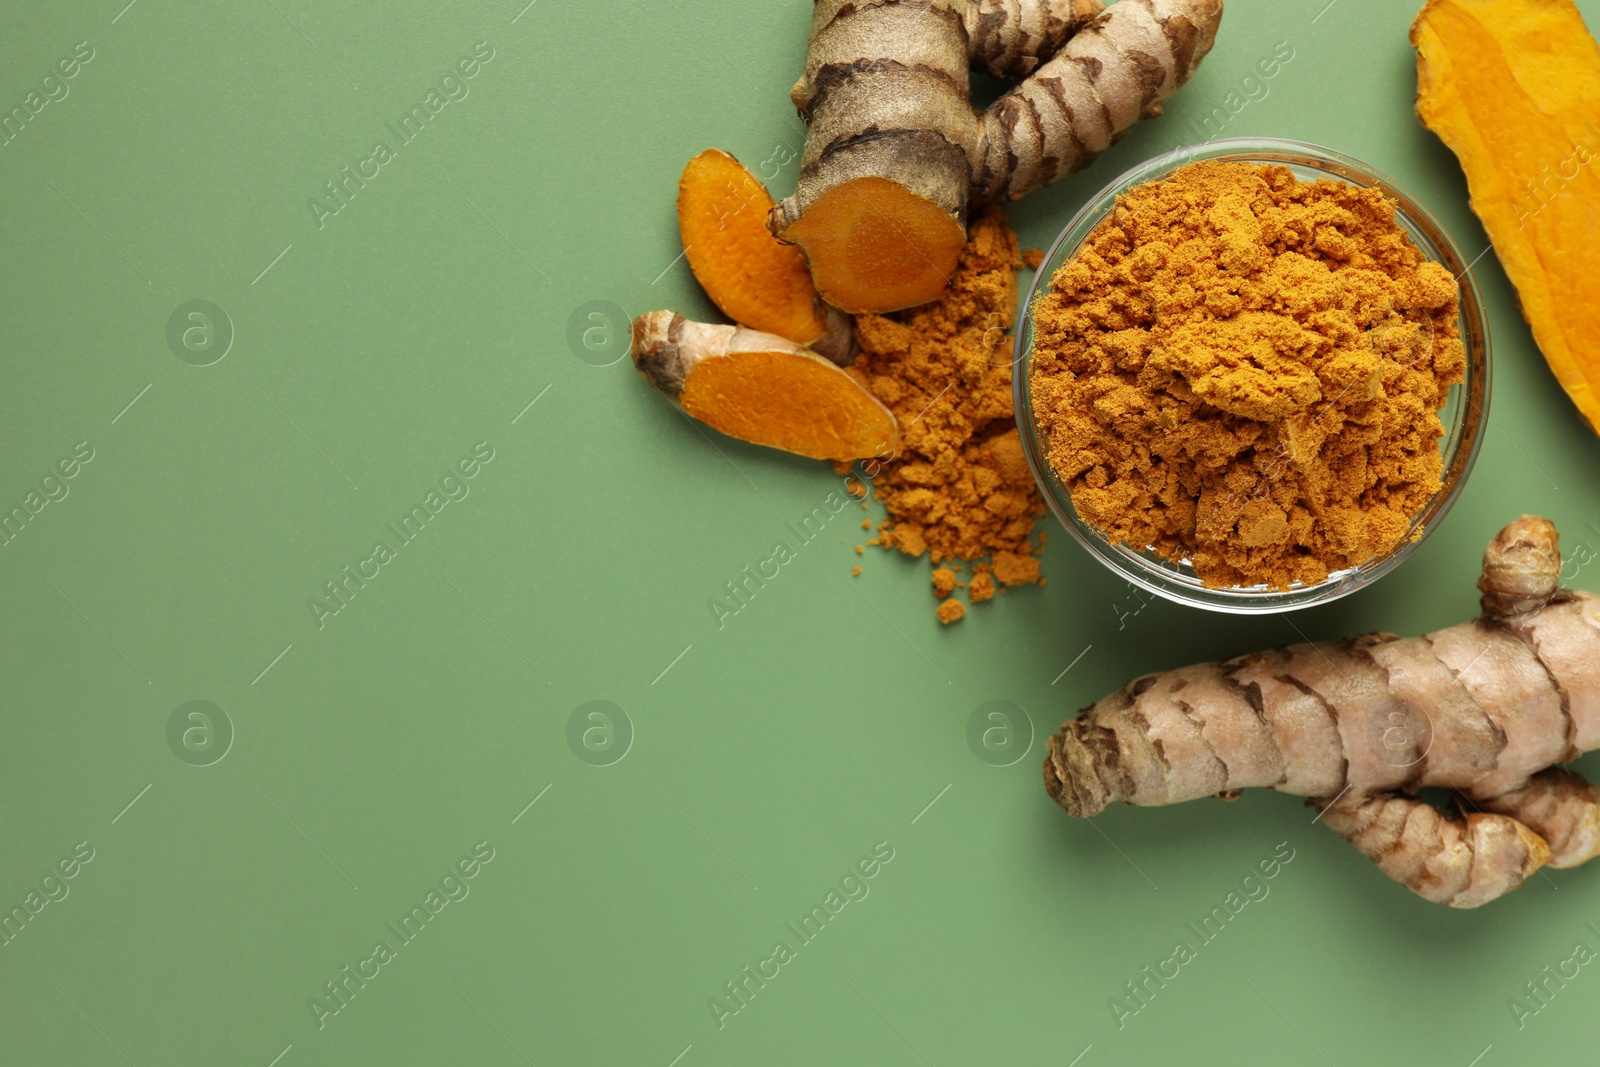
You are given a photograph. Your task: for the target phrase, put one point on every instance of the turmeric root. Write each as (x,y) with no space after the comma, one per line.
(1512,87)
(755,279)
(761,388)
(1121,68)
(1484,709)
(894,151)
(1010,38)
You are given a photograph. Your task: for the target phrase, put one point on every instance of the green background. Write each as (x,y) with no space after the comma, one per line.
(767,756)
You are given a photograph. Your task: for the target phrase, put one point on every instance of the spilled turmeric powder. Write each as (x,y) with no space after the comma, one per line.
(958,487)
(1245,370)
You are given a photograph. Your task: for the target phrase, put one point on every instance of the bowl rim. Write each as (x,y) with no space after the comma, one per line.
(1463,437)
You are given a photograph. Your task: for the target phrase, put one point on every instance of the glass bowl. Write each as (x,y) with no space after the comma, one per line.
(1464,416)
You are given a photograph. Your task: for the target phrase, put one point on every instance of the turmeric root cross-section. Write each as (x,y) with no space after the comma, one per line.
(1486,710)
(870,235)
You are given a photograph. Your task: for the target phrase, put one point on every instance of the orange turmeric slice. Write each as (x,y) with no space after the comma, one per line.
(754,278)
(873,245)
(761,388)
(1512,87)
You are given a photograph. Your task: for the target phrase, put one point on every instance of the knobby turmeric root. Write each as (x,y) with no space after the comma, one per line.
(894,151)
(1485,709)
(1512,87)
(761,388)
(755,279)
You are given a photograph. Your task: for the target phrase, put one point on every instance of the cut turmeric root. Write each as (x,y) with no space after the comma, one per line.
(1486,709)
(753,277)
(1512,87)
(873,242)
(761,388)
(894,151)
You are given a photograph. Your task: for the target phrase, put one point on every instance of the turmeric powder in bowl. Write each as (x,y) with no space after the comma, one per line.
(1244,371)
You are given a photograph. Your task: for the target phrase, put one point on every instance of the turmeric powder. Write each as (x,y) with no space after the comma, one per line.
(958,488)
(981,587)
(1244,370)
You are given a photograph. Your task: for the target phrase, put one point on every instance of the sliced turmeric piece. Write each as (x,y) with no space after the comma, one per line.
(875,245)
(761,388)
(1513,88)
(752,276)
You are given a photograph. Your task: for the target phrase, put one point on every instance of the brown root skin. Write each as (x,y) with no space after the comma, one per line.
(1486,709)
(753,278)
(1462,862)
(1122,67)
(1561,808)
(886,98)
(1010,38)
(838,344)
(761,388)
(1521,568)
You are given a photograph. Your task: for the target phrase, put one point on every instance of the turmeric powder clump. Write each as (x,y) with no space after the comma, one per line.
(958,487)
(981,587)
(1245,370)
